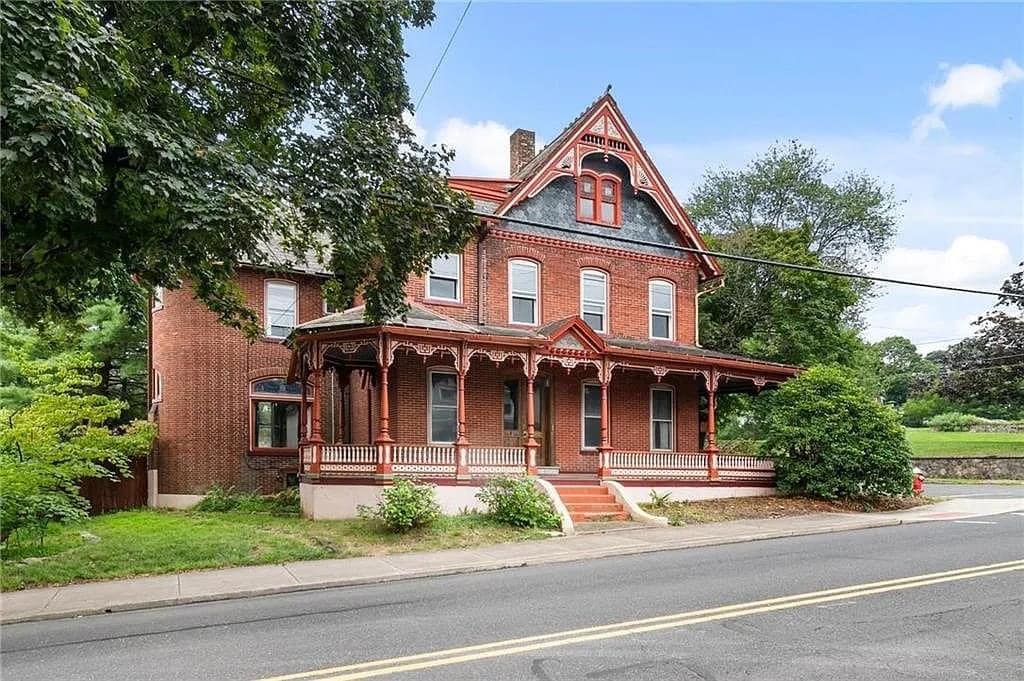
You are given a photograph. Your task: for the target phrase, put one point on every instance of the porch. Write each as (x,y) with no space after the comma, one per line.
(438,400)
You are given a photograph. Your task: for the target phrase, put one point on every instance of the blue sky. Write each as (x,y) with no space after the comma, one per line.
(929,98)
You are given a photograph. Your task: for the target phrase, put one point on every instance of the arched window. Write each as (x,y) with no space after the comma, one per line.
(523,291)
(598,199)
(274,407)
(661,296)
(594,299)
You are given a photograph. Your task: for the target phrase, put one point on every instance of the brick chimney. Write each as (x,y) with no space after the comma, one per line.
(521,149)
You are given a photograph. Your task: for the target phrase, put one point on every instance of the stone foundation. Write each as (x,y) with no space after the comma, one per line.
(973,467)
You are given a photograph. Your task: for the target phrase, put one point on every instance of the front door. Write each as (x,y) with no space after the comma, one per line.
(542,399)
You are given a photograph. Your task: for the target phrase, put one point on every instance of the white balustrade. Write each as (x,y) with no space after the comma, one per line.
(348,454)
(496,456)
(747,463)
(423,454)
(657,460)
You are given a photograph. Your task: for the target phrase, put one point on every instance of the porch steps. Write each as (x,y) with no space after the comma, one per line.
(590,503)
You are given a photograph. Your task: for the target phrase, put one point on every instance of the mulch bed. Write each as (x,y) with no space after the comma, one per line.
(747,508)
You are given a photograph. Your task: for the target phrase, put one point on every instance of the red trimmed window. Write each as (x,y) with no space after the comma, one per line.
(274,407)
(598,199)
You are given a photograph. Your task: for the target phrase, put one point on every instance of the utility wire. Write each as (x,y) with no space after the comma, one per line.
(443,55)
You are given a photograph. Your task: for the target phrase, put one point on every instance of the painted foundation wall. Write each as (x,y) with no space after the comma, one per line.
(642,495)
(336,502)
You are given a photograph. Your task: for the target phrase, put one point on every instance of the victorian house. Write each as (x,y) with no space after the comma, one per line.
(560,343)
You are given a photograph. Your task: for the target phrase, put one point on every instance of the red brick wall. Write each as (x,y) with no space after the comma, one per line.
(628,279)
(206,368)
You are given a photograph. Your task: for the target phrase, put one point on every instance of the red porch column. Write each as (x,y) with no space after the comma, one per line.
(461,441)
(303,412)
(603,470)
(711,447)
(531,442)
(316,439)
(383,440)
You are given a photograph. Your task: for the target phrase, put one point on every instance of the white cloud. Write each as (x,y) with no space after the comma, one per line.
(481,148)
(965,85)
(968,260)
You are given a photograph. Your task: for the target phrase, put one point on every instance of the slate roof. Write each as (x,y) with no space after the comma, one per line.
(676,348)
(415,317)
(545,154)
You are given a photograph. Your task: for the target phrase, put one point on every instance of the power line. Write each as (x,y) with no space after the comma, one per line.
(443,55)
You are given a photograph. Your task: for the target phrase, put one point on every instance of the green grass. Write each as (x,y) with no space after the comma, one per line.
(925,442)
(148,542)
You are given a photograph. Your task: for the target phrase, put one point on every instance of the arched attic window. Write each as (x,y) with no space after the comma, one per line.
(599,199)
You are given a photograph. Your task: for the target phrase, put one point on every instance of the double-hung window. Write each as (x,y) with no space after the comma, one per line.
(443,407)
(591,408)
(594,299)
(662,419)
(275,413)
(444,281)
(661,308)
(523,288)
(280,308)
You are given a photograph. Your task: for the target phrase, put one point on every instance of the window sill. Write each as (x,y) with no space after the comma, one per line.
(443,302)
(274,339)
(589,451)
(274,451)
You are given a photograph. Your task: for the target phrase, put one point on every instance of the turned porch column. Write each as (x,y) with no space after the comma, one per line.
(316,439)
(383,440)
(303,412)
(461,441)
(603,470)
(711,447)
(530,368)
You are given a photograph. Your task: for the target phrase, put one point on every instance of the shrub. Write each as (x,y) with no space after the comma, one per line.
(952,421)
(830,439)
(917,410)
(405,505)
(222,500)
(742,447)
(519,502)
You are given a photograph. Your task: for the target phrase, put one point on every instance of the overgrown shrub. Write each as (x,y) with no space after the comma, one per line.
(741,447)
(222,500)
(952,421)
(829,438)
(917,410)
(405,505)
(518,502)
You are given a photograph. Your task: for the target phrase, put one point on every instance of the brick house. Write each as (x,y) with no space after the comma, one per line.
(561,342)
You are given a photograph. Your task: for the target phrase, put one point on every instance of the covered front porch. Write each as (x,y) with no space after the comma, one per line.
(434,399)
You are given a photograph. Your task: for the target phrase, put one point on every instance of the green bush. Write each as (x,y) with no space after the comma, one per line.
(222,500)
(518,502)
(917,410)
(405,505)
(830,439)
(741,447)
(952,421)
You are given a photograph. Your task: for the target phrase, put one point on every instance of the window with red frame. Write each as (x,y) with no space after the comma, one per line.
(597,199)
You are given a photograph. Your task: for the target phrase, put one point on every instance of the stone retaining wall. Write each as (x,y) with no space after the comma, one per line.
(981,468)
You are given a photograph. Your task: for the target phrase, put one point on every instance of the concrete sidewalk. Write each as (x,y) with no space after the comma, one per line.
(212,585)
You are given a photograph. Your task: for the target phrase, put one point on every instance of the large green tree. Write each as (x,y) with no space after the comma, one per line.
(902,371)
(155,142)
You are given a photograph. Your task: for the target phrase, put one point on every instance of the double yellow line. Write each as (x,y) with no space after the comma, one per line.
(483,651)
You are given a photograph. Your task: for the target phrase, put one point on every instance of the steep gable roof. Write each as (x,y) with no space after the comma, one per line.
(602,129)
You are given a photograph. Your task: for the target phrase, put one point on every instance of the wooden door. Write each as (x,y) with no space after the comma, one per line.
(543,406)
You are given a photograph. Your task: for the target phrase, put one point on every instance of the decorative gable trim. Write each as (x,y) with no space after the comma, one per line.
(575,335)
(604,131)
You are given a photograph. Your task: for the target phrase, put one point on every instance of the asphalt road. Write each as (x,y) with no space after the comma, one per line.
(959,626)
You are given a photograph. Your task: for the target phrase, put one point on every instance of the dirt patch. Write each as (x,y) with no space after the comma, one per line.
(748,508)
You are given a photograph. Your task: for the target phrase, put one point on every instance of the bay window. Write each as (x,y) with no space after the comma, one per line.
(274,407)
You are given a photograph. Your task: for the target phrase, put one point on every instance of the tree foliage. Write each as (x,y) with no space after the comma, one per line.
(829,438)
(777,314)
(162,141)
(62,435)
(851,220)
(902,370)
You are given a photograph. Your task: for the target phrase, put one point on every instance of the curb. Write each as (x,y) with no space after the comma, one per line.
(441,572)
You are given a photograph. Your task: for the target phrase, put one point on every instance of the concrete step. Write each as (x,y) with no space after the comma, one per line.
(597,516)
(607,506)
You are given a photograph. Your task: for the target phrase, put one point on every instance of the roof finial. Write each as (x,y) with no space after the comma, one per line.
(608,90)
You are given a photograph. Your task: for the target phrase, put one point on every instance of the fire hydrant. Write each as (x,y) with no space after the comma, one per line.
(918,484)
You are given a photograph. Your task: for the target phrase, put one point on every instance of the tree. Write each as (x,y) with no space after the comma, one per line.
(111,342)
(851,220)
(903,372)
(985,372)
(151,143)
(62,435)
(830,438)
(778,314)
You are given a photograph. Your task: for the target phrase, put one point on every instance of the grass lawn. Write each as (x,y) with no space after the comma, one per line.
(927,442)
(147,542)
(752,508)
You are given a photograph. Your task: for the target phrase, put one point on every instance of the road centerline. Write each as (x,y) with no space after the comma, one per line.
(428,660)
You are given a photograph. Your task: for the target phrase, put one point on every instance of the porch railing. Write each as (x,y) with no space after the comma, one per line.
(415,460)
(481,461)
(686,466)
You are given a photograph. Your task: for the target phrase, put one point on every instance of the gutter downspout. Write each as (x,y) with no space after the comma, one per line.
(707,287)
